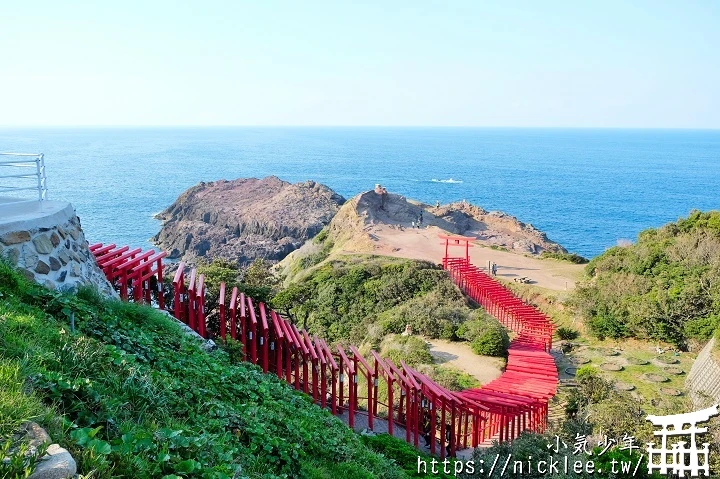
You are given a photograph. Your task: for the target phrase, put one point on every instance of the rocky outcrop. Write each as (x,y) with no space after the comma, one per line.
(49,247)
(245,219)
(492,228)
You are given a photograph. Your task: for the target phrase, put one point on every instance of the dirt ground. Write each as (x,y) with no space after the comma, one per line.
(460,356)
(426,245)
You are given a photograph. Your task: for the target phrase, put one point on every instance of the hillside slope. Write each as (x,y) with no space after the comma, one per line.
(664,287)
(131,395)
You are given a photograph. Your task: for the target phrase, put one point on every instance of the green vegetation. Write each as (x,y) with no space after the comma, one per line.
(569,257)
(487,338)
(665,287)
(449,377)
(257,280)
(567,334)
(19,460)
(402,453)
(541,447)
(131,395)
(363,299)
(411,349)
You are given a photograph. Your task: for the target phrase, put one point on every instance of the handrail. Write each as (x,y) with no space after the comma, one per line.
(26,160)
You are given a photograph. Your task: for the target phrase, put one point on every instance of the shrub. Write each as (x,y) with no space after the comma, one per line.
(663,287)
(321,236)
(403,454)
(411,349)
(569,257)
(493,342)
(567,334)
(450,378)
(342,297)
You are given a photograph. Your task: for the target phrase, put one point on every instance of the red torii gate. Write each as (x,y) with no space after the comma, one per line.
(453,240)
(503,408)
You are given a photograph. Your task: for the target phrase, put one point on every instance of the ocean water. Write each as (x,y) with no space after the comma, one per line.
(586,188)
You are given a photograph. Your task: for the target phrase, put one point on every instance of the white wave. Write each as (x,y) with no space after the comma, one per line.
(449,180)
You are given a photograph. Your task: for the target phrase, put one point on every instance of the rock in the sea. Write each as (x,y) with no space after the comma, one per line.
(245,219)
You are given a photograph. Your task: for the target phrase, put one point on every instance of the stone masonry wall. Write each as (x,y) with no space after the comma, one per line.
(54,255)
(703,382)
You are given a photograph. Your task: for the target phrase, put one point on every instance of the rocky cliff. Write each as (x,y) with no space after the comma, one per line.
(358,217)
(245,219)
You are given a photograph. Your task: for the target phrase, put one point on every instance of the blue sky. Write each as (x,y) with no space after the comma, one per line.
(646,64)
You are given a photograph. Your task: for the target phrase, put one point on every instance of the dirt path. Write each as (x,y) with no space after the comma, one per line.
(424,244)
(459,355)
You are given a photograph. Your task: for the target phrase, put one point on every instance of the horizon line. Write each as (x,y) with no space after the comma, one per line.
(372,126)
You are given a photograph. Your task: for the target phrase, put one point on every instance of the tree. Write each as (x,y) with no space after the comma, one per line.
(290,302)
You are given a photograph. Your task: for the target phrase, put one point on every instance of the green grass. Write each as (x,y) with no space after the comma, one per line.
(16,406)
(569,257)
(130,395)
(634,374)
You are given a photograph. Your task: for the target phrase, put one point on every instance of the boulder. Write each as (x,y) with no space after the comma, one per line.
(56,464)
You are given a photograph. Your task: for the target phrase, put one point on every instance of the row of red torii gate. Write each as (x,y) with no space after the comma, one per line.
(370,391)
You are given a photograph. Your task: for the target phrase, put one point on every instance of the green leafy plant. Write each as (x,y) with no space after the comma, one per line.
(140,398)
(19,461)
(567,334)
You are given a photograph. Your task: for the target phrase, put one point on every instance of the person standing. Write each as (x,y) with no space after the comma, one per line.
(494,269)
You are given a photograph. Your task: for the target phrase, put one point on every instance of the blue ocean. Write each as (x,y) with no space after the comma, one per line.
(586,188)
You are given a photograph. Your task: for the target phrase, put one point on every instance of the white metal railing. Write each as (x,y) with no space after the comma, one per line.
(14,162)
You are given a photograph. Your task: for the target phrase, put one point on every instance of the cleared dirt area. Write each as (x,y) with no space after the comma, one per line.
(460,356)
(424,244)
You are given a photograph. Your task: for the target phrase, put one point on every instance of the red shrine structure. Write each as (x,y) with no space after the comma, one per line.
(339,378)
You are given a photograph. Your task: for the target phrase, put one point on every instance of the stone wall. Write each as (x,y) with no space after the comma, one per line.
(703,382)
(50,248)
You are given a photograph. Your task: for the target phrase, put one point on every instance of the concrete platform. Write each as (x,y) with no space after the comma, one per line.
(17,214)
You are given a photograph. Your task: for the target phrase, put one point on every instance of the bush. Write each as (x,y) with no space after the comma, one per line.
(321,236)
(486,336)
(411,349)
(493,342)
(567,334)
(340,299)
(569,257)
(664,287)
(450,378)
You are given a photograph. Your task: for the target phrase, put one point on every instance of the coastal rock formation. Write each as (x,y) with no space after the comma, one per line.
(245,219)
(360,214)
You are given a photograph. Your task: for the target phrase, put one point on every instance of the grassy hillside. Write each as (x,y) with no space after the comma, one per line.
(130,395)
(664,287)
(362,299)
